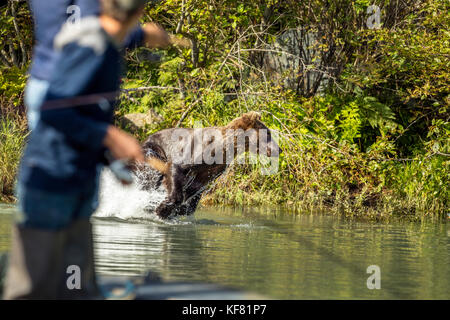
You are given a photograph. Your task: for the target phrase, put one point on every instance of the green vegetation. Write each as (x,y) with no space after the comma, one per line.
(363,119)
(13,128)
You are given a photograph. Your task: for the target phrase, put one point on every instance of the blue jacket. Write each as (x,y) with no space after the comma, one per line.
(49,16)
(65,148)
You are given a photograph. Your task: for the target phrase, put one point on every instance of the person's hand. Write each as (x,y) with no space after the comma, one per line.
(122,145)
(156,36)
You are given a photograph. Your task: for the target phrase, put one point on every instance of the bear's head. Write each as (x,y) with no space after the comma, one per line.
(256,132)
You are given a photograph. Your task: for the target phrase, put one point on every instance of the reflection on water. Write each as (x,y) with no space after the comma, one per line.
(6,212)
(280,255)
(283,256)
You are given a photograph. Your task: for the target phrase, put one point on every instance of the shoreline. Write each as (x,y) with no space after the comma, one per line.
(299,208)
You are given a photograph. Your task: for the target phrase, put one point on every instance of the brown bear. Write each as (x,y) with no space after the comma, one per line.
(189,159)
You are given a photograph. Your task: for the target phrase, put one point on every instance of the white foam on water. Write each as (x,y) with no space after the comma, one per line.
(127,202)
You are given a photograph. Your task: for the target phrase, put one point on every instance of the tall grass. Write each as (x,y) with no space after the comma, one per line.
(12,140)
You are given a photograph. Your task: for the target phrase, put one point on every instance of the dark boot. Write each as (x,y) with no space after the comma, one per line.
(35,264)
(39,263)
(79,252)
(3,266)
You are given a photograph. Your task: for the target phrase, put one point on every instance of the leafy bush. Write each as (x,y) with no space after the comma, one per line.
(373,141)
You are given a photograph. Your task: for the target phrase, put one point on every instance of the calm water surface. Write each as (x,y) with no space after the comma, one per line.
(277,254)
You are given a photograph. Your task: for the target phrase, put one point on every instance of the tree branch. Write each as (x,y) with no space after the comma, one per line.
(18,34)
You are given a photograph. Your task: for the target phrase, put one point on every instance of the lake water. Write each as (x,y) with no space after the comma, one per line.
(277,254)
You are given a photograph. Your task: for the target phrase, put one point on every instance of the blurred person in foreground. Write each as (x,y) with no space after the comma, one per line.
(49,16)
(52,251)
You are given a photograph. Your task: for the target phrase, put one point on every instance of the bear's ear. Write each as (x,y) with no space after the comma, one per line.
(247,120)
(251,117)
(255,116)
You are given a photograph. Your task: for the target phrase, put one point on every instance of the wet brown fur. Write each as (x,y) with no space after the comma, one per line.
(185,183)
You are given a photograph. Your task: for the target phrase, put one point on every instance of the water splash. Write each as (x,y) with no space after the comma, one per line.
(128,202)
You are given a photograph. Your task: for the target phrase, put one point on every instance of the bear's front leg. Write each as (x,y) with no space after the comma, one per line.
(190,206)
(173,182)
(165,209)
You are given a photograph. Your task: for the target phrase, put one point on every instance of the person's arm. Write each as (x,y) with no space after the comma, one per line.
(122,145)
(83,131)
(150,35)
(74,73)
(135,39)
(155,36)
